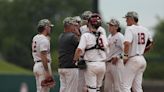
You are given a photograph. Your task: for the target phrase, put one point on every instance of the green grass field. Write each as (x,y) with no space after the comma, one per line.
(8,68)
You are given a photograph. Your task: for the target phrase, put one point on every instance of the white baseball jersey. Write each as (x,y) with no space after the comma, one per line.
(88,40)
(115,43)
(40,43)
(138,36)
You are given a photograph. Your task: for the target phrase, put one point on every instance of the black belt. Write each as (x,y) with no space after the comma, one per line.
(40,61)
(94,61)
(135,55)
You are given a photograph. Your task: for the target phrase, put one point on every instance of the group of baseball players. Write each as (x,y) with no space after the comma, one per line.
(116,61)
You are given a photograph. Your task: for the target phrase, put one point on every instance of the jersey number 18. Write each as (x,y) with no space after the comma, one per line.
(141,38)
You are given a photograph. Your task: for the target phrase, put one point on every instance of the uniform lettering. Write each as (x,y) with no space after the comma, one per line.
(141,38)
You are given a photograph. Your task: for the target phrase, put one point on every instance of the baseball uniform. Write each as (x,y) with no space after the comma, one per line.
(113,75)
(94,59)
(40,43)
(85,29)
(134,68)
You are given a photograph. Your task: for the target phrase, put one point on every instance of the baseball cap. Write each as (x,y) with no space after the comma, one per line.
(69,20)
(131,14)
(114,22)
(44,22)
(86,15)
(77,19)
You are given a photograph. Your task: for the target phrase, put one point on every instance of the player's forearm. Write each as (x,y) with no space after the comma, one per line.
(126,48)
(77,54)
(44,60)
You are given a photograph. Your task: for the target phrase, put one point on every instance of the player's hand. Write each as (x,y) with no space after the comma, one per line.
(114,60)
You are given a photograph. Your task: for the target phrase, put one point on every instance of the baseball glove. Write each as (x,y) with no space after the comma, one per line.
(81,64)
(48,82)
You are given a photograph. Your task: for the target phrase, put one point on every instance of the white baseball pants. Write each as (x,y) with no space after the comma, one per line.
(94,75)
(113,77)
(39,73)
(133,73)
(68,79)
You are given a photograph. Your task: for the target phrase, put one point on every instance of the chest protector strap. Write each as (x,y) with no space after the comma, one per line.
(97,45)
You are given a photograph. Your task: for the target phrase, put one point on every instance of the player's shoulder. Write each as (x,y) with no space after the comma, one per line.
(43,38)
(101,29)
(130,27)
(120,35)
(144,28)
(83,27)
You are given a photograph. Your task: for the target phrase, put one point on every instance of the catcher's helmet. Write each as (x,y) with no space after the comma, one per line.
(95,20)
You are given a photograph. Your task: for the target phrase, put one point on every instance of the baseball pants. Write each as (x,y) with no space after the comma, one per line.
(113,77)
(81,83)
(133,73)
(68,79)
(39,73)
(94,75)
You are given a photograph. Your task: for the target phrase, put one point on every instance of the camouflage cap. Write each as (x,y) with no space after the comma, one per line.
(86,15)
(44,22)
(114,22)
(69,20)
(77,18)
(131,14)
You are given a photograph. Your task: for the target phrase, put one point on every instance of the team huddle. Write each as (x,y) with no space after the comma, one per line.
(88,59)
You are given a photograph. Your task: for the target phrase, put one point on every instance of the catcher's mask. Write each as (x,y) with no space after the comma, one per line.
(95,20)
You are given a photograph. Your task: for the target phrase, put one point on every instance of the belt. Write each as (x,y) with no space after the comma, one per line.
(40,61)
(135,55)
(94,61)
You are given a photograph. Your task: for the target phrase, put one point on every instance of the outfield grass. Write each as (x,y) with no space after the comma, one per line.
(8,68)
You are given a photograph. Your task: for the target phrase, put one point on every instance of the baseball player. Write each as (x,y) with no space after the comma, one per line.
(83,29)
(94,45)
(114,64)
(68,42)
(41,54)
(137,40)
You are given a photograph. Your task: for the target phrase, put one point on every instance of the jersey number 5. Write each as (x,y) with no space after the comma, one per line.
(141,38)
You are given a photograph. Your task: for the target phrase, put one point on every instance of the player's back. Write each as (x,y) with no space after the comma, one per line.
(139,37)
